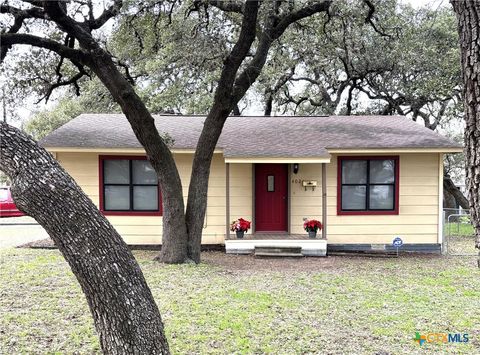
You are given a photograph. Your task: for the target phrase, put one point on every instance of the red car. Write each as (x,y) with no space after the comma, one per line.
(7,206)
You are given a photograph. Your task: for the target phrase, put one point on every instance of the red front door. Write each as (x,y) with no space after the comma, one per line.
(271,197)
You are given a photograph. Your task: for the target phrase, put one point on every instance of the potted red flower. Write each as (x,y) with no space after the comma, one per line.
(312,226)
(241,226)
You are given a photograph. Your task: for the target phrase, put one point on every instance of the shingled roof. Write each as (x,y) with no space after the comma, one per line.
(250,136)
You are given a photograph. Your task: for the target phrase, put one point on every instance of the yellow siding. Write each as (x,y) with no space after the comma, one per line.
(305,203)
(241,192)
(417,221)
(83,167)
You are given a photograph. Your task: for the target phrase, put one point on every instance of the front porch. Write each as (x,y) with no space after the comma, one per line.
(309,246)
(283,195)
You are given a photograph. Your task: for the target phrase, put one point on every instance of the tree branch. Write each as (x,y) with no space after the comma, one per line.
(271,91)
(19,17)
(10,39)
(109,13)
(274,31)
(369,18)
(295,16)
(34,12)
(239,51)
(224,5)
(73,80)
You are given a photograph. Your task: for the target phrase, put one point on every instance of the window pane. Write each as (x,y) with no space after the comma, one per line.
(116,172)
(381,197)
(270,183)
(143,172)
(354,197)
(382,171)
(354,171)
(145,198)
(117,198)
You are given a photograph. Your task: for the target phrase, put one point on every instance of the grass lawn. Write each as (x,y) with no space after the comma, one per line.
(458,229)
(238,304)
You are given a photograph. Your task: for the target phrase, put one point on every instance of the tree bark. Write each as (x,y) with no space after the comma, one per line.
(450,188)
(126,316)
(449,201)
(175,236)
(468,16)
(268,104)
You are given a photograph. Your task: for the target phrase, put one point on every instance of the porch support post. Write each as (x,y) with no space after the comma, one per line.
(324,200)
(227,200)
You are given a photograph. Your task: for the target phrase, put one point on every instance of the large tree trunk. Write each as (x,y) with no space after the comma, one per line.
(468,16)
(198,189)
(125,314)
(449,201)
(175,236)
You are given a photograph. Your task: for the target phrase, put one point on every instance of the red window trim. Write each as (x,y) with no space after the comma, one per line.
(395,211)
(101,158)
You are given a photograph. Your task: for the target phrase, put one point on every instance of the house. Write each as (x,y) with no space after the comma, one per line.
(369,179)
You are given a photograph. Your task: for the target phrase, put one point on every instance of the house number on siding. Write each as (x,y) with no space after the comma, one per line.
(297,181)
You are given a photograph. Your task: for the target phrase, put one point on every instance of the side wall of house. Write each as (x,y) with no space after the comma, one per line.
(417,221)
(84,168)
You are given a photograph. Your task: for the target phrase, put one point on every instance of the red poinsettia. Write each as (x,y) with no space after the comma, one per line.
(240,225)
(312,225)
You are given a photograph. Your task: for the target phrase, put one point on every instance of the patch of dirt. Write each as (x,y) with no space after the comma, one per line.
(234,262)
(46,243)
(250,263)
(332,263)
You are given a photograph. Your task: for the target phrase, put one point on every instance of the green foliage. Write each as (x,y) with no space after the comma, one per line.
(344,66)
(176,60)
(48,120)
(94,99)
(349,68)
(4,180)
(461,228)
(454,164)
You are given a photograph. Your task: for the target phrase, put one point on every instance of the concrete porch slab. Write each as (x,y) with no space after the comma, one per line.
(310,247)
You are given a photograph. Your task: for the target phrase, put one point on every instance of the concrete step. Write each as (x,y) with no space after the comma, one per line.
(289,251)
(288,255)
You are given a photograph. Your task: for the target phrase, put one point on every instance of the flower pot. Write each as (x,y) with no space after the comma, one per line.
(311,234)
(240,234)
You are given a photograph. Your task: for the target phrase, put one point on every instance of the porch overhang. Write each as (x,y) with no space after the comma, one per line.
(278,160)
